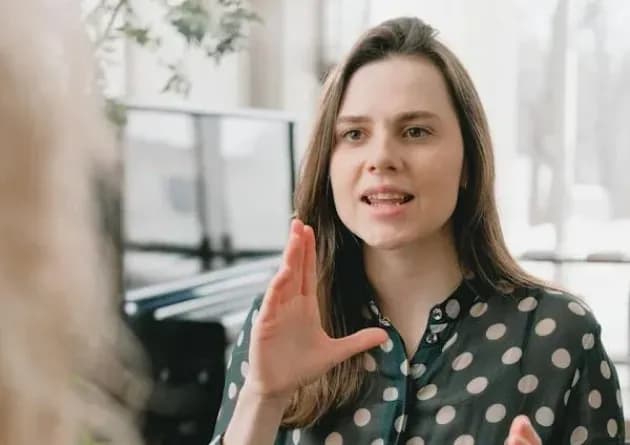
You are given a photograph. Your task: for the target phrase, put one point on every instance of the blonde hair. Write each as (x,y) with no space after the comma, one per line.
(479,241)
(63,375)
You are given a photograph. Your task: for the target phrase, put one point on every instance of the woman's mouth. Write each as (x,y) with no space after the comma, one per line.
(387,199)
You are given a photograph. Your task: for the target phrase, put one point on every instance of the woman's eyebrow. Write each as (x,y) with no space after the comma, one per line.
(404,116)
(415,114)
(349,119)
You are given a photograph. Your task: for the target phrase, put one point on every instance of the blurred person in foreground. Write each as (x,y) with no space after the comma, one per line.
(65,372)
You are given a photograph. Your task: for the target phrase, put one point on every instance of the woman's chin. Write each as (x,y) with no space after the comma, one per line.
(385,241)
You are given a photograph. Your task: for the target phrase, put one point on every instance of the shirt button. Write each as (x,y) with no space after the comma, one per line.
(431,338)
(437,314)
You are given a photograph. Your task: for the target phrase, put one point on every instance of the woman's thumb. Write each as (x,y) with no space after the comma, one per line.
(365,339)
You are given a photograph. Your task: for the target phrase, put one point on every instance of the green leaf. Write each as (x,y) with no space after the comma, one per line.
(191,20)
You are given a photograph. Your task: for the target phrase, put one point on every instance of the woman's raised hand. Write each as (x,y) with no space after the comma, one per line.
(288,346)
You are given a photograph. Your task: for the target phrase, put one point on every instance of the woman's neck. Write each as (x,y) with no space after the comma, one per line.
(415,277)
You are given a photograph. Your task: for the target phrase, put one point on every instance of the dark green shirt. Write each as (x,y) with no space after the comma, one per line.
(483,360)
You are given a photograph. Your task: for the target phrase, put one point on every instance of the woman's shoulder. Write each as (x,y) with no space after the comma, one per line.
(568,312)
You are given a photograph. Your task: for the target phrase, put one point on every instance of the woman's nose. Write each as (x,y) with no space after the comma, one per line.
(382,155)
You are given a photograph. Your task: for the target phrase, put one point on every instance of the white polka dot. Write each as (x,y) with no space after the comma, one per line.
(576,378)
(576,308)
(296,436)
(545,327)
(512,355)
(378,442)
(527,304)
(388,345)
(605,369)
(400,423)
(453,308)
(588,341)
(244,369)
(232,390)
(612,427)
(445,415)
(369,363)
(496,331)
(229,363)
(528,384)
(566,396)
(334,439)
(415,441)
(594,399)
(437,328)
(579,435)
(451,341)
(404,367)
(462,361)
(477,385)
(466,439)
(561,358)
(478,309)
(390,394)
(544,416)
(618,397)
(362,417)
(427,392)
(239,340)
(418,370)
(495,413)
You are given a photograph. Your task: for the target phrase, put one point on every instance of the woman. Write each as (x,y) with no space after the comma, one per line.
(63,378)
(412,324)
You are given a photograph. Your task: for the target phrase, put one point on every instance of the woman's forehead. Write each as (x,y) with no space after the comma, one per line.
(396,85)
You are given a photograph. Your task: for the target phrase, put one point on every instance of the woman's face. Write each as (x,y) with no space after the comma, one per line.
(397,163)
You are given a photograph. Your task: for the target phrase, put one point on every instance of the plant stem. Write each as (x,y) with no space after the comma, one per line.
(110,23)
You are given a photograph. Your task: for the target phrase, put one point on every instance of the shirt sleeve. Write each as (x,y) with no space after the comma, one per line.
(237,367)
(594,410)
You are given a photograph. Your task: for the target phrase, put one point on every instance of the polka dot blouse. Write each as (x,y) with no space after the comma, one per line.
(482,361)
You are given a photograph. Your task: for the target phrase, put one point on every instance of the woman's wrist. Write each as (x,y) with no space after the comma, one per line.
(256,418)
(271,402)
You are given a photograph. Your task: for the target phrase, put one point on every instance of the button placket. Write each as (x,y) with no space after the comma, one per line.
(437,324)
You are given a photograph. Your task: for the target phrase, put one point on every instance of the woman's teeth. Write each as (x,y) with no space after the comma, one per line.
(387,199)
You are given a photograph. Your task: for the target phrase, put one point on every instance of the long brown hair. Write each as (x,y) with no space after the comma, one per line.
(479,240)
(62,374)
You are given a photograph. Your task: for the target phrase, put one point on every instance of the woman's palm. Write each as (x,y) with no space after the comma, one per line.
(288,346)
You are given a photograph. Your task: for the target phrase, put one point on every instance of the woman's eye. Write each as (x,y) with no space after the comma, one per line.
(353,135)
(416,132)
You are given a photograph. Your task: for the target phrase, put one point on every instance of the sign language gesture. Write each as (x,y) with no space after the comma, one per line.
(288,346)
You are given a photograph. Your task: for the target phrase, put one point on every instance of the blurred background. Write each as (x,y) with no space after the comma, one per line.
(213,101)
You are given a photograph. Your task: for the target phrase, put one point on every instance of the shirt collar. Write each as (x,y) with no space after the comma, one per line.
(449,310)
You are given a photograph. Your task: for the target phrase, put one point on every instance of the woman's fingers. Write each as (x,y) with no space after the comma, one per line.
(276,289)
(309,278)
(522,432)
(294,258)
